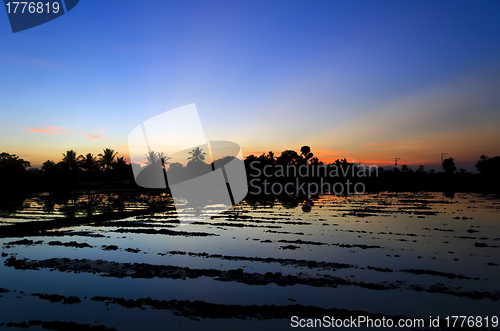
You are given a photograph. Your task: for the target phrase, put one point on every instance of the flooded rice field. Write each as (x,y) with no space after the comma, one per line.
(396,255)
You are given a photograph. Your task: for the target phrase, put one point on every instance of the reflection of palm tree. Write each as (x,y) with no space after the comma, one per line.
(71,160)
(197,154)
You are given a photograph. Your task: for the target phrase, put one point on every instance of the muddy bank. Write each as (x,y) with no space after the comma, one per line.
(28,242)
(197,310)
(135,224)
(57,325)
(58,298)
(166,232)
(284,262)
(63,233)
(201,309)
(27,228)
(238,225)
(143,270)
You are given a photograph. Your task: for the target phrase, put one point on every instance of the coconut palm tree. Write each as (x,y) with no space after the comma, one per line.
(119,166)
(48,166)
(71,160)
(197,154)
(107,158)
(89,163)
(271,157)
(305,151)
(153,157)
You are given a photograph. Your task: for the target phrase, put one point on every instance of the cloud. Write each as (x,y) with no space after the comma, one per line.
(382,144)
(60,130)
(90,137)
(50,130)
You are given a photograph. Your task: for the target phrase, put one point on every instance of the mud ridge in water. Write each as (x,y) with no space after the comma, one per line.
(285,232)
(69,244)
(50,243)
(58,325)
(302,242)
(166,232)
(205,310)
(27,228)
(239,225)
(436,273)
(271,220)
(58,298)
(136,224)
(284,262)
(143,270)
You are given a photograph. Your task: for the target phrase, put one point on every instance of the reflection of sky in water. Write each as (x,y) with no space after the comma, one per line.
(428,233)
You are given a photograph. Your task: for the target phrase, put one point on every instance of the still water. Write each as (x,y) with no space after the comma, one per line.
(398,254)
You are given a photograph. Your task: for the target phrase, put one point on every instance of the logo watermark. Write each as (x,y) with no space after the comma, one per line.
(25,15)
(310,179)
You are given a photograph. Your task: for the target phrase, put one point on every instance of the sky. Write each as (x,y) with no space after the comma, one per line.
(361,79)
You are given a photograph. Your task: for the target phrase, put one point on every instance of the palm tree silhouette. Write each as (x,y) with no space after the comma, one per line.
(107,158)
(71,160)
(48,166)
(153,157)
(197,155)
(271,157)
(89,163)
(305,151)
(119,166)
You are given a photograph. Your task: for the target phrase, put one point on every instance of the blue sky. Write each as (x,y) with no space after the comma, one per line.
(367,80)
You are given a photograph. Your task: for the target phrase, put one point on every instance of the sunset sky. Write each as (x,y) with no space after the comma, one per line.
(366,80)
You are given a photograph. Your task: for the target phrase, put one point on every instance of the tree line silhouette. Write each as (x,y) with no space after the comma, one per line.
(107,170)
(73,169)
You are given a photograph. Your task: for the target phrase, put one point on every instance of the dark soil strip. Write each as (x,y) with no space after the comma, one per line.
(166,232)
(302,242)
(436,273)
(70,244)
(54,234)
(58,298)
(143,270)
(136,224)
(318,243)
(27,228)
(59,326)
(28,242)
(284,262)
(315,264)
(201,309)
(239,225)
